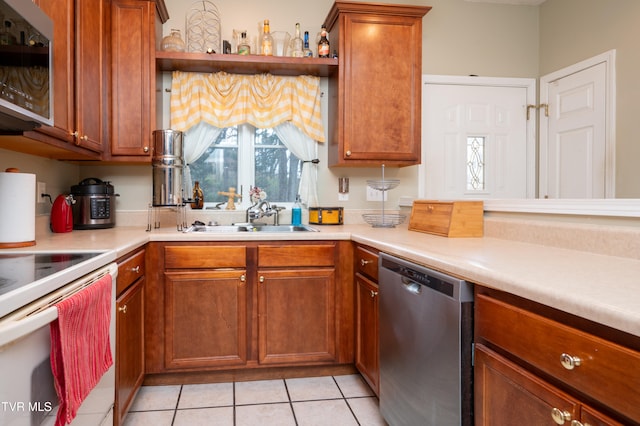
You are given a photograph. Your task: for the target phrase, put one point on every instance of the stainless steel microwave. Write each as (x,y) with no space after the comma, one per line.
(26,83)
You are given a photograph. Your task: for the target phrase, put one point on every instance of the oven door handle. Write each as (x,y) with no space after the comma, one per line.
(14,330)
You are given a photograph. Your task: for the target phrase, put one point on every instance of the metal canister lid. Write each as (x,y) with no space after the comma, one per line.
(167,143)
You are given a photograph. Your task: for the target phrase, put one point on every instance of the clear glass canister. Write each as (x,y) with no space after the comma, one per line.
(173,42)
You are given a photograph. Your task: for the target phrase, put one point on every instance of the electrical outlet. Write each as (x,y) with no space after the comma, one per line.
(41,189)
(375,194)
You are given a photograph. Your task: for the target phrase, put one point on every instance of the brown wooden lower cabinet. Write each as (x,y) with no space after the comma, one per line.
(205,319)
(367,358)
(367,342)
(506,393)
(537,365)
(214,307)
(129,356)
(296,316)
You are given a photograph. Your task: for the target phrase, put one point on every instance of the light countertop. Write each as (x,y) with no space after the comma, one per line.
(604,289)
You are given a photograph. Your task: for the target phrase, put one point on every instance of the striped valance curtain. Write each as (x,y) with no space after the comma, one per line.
(262,100)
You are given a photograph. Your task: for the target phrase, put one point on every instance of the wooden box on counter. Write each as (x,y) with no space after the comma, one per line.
(448,218)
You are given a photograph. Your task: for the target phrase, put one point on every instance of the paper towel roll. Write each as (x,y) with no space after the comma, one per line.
(17,209)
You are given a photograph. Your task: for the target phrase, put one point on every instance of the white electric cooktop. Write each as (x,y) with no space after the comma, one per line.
(27,276)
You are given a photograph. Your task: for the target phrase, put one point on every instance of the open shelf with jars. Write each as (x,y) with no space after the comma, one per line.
(245,64)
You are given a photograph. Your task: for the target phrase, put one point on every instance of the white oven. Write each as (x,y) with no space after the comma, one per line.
(27,394)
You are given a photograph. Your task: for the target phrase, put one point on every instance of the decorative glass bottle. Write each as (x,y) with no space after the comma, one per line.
(296,44)
(243,47)
(267,40)
(173,42)
(306,52)
(323,44)
(198,197)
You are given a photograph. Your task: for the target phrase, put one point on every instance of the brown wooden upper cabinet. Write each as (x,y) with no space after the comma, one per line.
(104,85)
(136,28)
(375,98)
(79,75)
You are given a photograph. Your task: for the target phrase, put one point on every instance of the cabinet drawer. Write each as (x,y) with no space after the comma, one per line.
(129,270)
(205,257)
(367,263)
(603,370)
(296,255)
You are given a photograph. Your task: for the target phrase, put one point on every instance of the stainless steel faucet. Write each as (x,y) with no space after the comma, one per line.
(264,209)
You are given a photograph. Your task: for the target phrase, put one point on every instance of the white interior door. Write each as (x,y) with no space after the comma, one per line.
(476,139)
(576,147)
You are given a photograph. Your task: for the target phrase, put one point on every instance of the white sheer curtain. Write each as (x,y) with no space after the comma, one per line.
(304,148)
(196,141)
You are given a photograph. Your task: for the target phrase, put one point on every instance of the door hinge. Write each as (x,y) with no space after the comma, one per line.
(530,107)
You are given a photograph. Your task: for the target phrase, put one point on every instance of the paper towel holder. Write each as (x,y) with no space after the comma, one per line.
(21,234)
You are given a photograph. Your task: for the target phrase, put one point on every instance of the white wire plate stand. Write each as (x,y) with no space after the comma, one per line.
(383,219)
(203,28)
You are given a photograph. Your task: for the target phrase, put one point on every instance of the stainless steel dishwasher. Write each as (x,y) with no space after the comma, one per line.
(426,336)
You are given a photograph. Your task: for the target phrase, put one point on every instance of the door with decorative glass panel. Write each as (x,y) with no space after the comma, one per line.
(478,138)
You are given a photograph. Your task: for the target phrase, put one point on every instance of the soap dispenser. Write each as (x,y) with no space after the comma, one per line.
(296,212)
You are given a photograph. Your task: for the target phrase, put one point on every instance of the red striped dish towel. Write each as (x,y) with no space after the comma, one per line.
(80,346)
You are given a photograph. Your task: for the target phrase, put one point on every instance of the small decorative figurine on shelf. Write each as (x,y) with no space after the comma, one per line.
(231,205)
(256,195)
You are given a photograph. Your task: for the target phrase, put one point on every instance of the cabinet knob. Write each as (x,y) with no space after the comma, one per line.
(364,262)
(136,269)
(261,279)
(560,416)
(577,423)
(145,149)
(570,362)
(373,293)
(122,309)
(84,138)
(243,278)
(348,153)
(74,134)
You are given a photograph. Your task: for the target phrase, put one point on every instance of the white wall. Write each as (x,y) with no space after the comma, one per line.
(58,176)
(575,30)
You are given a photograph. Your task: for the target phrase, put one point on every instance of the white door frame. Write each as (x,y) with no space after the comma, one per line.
(528,83)
(609,59)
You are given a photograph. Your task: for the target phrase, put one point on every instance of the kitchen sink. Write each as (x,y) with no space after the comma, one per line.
(249,227)
(280,228)
(216,228)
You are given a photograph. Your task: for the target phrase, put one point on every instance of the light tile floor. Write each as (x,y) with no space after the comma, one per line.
(315,401)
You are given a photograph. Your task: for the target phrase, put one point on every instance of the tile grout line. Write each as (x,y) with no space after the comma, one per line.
(293,412)
(233,389)
(344,398)
(175,409)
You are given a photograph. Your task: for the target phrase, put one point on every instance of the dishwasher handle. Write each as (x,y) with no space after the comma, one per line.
(411,286)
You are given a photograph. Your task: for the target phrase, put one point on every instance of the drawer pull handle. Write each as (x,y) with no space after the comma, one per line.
(364,262)
(136,269)
(122,309)
(560,417)
(569,362)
